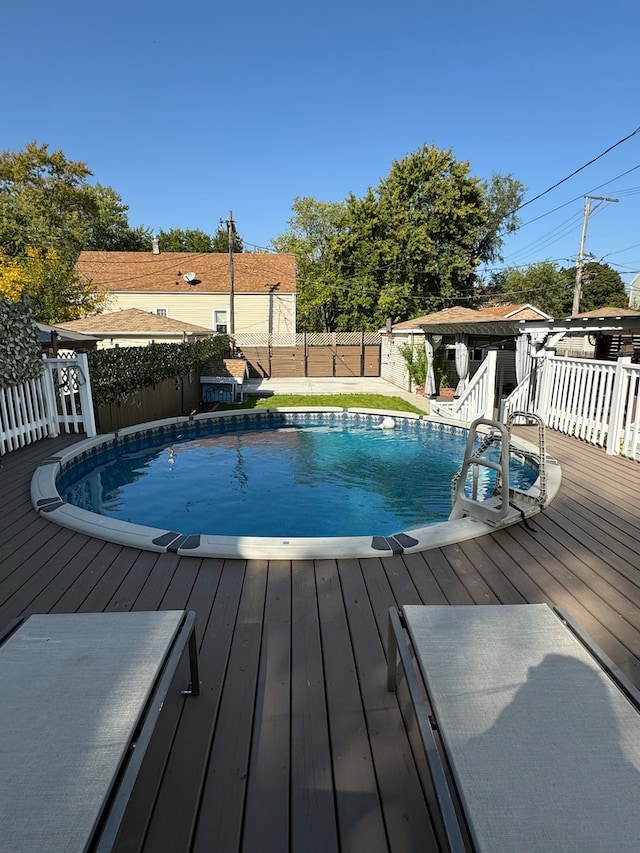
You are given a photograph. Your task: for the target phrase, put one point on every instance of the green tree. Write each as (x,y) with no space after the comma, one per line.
(49,212)
(312,226)
(602,286)
(110,231)
(55,290)
(407,245)
(181,240)
(543,285)
(220,241)
(46,202)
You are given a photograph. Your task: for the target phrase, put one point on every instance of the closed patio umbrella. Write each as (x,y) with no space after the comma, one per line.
(462,362)
(430,389)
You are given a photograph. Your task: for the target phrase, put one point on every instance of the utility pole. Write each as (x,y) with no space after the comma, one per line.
(232,325)
(577,290)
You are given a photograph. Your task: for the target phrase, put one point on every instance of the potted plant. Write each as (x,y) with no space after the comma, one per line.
(415,358)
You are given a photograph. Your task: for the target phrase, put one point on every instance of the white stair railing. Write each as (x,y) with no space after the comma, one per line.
(478,398)
(517,401)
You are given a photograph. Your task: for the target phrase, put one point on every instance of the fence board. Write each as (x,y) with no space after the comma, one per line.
(287,361)
(167,399)
(347,354)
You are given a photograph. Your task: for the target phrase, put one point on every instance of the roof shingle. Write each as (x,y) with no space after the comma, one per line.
(132,320)
(150,273)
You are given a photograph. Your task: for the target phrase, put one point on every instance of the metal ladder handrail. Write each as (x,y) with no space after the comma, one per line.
(541,499)
(483,510)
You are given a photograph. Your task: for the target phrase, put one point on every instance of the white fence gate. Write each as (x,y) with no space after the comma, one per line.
(59,400)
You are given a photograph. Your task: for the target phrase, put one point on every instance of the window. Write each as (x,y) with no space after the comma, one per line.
(220,323)
(161,312)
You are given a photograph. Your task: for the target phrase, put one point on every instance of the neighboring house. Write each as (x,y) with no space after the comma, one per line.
(524,311)
(604,334)
(134,328)
(497,327)
(196,288)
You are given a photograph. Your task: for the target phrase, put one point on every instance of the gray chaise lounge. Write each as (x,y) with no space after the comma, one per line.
(532,736)
(80,697)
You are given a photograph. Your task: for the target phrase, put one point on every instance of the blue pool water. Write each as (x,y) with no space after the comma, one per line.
(295,479)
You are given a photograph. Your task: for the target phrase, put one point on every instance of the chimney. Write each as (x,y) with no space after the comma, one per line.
(155,245)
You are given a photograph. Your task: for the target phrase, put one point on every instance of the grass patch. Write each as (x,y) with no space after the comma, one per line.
(345,401)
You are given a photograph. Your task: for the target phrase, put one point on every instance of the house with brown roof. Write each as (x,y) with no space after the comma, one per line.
(457,339)
(255,294)
(133,327)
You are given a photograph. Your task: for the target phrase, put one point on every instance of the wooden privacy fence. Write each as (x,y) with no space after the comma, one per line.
(330,354)
(167,399)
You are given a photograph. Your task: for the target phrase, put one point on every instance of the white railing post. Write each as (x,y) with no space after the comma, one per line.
(490,384)
(544,378)
(86,398)
(50,403)
(618,399)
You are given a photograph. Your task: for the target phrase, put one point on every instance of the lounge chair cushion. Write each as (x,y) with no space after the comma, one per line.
(544,748)
(73,688)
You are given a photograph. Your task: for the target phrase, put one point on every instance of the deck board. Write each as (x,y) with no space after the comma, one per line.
(360,822)
(294,743)
(266,811)
(313,818)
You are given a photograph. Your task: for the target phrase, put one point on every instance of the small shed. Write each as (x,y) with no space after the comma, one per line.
(223,381)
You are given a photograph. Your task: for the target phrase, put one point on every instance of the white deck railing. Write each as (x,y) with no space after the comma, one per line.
(24,414)
(596,401)
(59,400)
(477,400)
(624,433)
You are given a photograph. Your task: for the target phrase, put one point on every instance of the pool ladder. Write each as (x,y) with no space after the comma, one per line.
(495,508)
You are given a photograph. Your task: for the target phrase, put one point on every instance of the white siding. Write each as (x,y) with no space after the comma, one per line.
(254,313)
(393,367)
(270,314)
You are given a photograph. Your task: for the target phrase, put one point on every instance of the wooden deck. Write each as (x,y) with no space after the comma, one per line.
(295,744)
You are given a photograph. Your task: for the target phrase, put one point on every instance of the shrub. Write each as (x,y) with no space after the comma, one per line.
(119,372)
(20,354)
(416,360)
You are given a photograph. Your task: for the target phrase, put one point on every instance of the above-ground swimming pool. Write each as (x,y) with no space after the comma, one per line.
(307,483)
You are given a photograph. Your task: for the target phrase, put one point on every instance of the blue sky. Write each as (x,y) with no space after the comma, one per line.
(191,110)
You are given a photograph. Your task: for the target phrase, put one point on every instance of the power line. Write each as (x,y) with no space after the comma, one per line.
(630,191)
(576,171)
